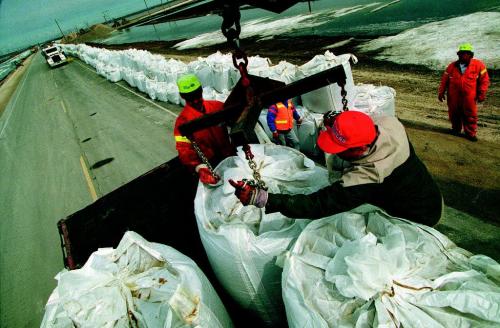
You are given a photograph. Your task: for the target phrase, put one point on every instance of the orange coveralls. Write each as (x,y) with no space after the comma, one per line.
(213,141)
(463,92)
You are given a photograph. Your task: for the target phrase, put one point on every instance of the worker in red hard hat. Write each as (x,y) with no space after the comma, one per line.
(383,170)
(465,81)
(213,142)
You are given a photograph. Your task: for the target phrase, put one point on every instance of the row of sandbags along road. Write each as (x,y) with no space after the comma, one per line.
(9,65)
(361,268)
(156,76)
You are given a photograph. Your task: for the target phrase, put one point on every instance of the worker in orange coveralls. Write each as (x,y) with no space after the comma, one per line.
(213,142)
(466,82)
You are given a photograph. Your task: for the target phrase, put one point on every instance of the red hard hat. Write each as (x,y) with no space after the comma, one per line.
(349,130)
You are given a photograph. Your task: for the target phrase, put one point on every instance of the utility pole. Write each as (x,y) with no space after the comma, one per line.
(145,3)
(59,28)
(149,12)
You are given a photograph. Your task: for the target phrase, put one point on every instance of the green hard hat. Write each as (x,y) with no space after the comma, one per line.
(465,47)
(188,83)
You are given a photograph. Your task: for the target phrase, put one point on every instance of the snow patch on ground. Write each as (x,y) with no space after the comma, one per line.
(266,28)
(435,44)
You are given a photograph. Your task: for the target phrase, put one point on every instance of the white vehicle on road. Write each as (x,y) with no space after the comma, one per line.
(54,56)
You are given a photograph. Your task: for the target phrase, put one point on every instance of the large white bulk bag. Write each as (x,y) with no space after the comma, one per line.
(375,100)
(242,242)
(328,98)
(203,71)
(364,268)
(113,74)
(138,284)
(308,131)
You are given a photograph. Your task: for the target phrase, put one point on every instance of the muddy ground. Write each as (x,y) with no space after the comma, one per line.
(468,173)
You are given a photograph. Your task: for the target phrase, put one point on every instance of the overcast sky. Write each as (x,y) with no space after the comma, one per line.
(25,22)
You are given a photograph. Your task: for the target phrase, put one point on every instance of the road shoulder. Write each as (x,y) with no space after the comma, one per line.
(9,85)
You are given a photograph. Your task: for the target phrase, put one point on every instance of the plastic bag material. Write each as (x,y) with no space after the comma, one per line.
(375,101)
(364,268)
(308,131)
(242,242)
(138,284)
(328,98)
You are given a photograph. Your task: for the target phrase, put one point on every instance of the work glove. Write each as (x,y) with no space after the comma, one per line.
(249,194)
(206,176)
(299,121)
(441,97)
(276,135)
(481,97)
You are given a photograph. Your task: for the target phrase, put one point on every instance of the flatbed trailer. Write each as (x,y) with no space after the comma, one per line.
(159,205)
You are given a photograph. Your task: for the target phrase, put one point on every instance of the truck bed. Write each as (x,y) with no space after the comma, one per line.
(158,205)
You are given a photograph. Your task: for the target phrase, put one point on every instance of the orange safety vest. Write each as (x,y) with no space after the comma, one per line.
(284,117)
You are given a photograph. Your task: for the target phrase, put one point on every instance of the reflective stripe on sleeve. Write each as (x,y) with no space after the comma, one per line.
(181,139)
(483,71)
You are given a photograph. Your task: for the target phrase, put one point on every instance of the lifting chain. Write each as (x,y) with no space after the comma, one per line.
(231,29)
(343,93)
(231,23)
(203,158)
(253,166)
(329,116)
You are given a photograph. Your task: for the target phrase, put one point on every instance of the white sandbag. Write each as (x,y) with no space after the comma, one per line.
(242,242)
(173,93)
(308,131)
(284,72)
(147,71)
(263,123)
(364,268)
(138,284)
(203,71)
(375,101)
(113,74)
(328,98)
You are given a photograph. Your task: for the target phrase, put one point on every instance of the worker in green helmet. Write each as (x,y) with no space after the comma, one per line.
(465,82)
(213,142)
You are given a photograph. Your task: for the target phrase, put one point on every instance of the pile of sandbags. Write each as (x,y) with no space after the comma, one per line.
(242,242)
(156,76)
(364,268)
(138,284)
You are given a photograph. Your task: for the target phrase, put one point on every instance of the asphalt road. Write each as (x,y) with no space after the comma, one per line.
(67,137)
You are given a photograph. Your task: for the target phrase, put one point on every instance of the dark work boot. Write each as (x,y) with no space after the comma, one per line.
(455,132)
(471,138)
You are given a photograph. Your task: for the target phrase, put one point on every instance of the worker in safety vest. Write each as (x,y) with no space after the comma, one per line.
(280,118)
(466,82)
(384,171)
(213,142)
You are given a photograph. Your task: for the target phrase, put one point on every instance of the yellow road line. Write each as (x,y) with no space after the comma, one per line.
(93,194)
(63,106)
